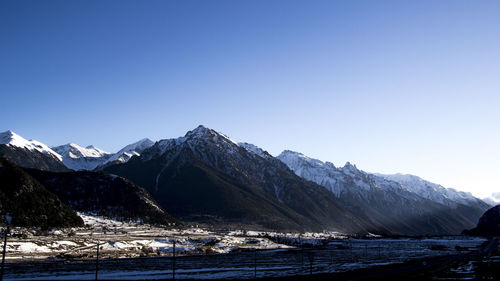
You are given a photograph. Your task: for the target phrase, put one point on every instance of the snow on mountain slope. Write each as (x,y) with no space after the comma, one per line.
(432,191)
(236,185)
(192,139)
(134,149)
(255,149)
(12,139)
(338,179)
(324,174)
(78,158)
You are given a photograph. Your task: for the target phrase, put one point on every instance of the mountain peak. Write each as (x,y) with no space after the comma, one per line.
(145,140)
(9,136)
(290,153)
(77,157)
(133,149)
(7,133)
(350,166)
(287,151)
(12,139)
(202,132)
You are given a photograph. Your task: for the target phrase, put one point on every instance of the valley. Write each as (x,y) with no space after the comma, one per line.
(137,251)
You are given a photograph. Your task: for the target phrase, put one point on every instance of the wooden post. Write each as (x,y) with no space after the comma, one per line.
(97,261)
(173,262)
(350,249)
(255,264)
(4,251)
(311,258)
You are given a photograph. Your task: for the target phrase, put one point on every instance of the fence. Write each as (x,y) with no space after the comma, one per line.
(246,263)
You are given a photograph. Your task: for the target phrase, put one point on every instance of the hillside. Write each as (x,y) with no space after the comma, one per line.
(29,203)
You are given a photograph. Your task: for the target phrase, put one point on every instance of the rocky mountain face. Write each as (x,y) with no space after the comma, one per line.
(435,192)
(488,225)
(134,149)
(389,203)
(103,194)
(206,177)
(29,203)
(90,158)
(129,151)
(29,153)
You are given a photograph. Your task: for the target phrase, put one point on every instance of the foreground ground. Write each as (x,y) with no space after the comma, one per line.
(129,251)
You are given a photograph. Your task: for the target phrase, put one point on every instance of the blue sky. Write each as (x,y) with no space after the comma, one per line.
(392,86)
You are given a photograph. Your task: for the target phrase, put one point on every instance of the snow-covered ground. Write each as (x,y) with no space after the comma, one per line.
(139,251)
(131,239)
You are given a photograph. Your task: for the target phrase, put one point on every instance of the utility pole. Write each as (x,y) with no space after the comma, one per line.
(173,262)
(8,219)
(255,264)
(4,251)
(311,260)
(97,260)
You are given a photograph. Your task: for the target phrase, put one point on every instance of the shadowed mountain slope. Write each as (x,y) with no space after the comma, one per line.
(103,194)
(206,177)
(29,203)
(488,225)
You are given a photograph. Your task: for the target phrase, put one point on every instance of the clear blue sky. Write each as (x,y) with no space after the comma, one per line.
(392,86)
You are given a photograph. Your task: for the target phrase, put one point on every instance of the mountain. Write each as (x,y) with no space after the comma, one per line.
(129,151)
(79,158)
(435,192)
(386,202)
(493,199)
(34,154)
(89,158)
(29,153)
(205,177)
(103,194)
(488,225)
(29,203)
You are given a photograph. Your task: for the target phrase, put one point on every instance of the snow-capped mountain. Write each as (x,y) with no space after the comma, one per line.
(34,154)
(383,199)
(432,191)
(29,153)
(79,158)
(12,139)
(339,180)
(335,179)
(255,149)
(134,149)
(322,173)
(206,177)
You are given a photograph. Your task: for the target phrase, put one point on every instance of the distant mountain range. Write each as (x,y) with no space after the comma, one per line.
(64,157)
(205,177)
(403,203)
